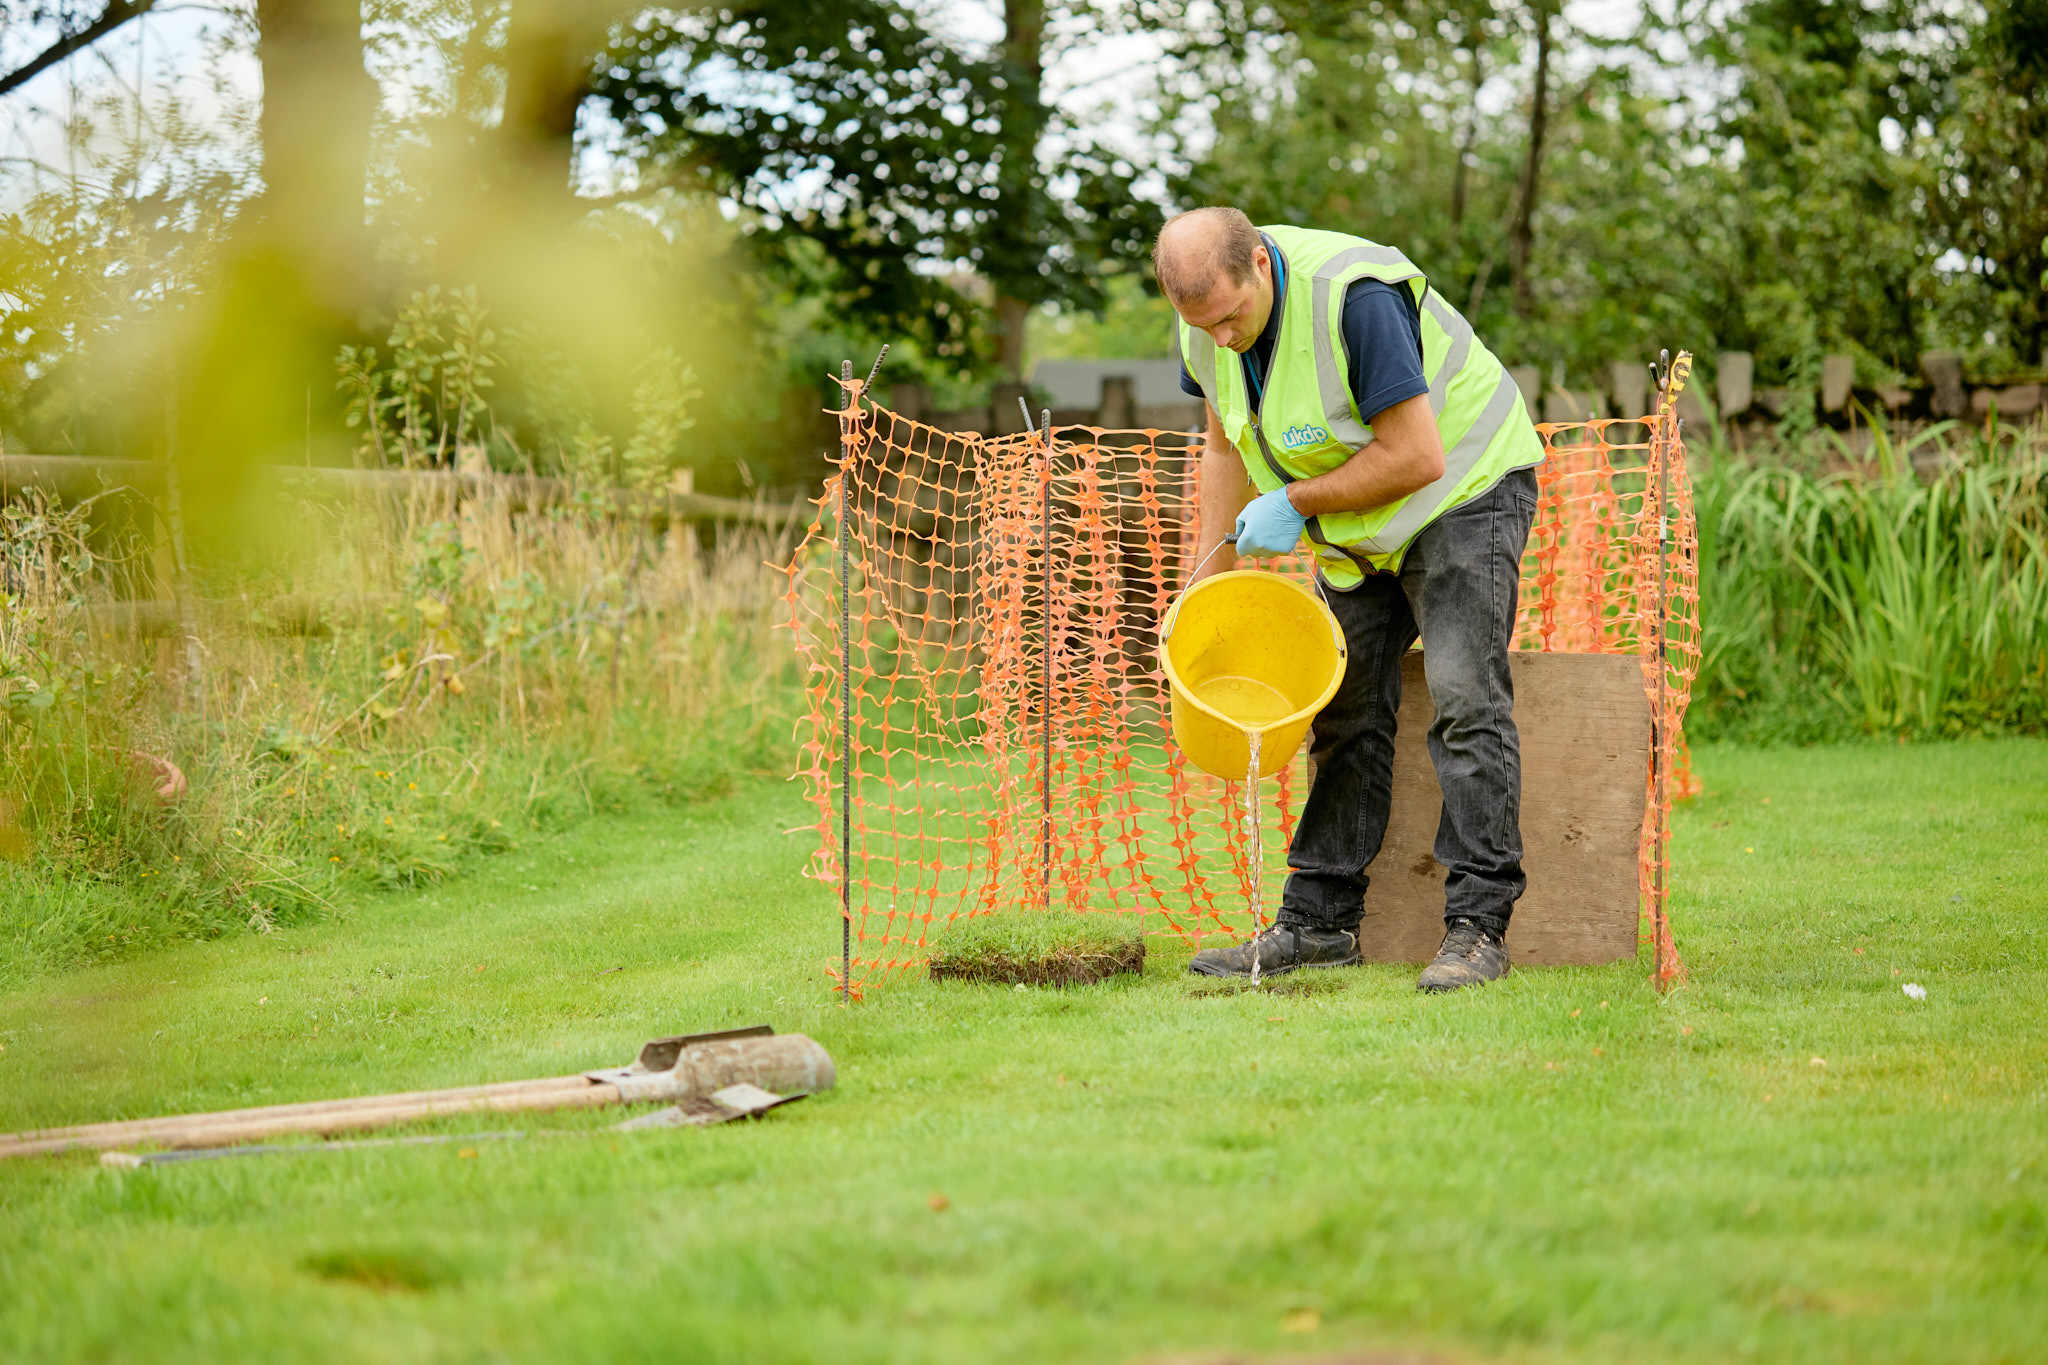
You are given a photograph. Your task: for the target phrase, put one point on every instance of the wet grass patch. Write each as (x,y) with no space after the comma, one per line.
(1307,981)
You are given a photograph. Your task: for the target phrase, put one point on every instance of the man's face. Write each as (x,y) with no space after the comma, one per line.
(1234,312)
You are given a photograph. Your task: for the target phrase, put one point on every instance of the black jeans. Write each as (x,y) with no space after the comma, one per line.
(1456,589)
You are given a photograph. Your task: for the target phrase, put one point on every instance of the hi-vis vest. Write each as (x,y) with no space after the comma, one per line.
(1307,422)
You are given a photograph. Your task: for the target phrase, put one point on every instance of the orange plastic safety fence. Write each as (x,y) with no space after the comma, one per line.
(1006,724)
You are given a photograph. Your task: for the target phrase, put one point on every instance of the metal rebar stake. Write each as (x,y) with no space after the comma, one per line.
(1667,532)
(1045,673)
(845,699)
(1661,761)
(1666,740)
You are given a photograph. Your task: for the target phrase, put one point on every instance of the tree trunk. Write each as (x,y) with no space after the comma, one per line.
(1018,206)
(549,48)
(250,361)
(1470,135)
(318,104)
(1522,234)
(1012,315)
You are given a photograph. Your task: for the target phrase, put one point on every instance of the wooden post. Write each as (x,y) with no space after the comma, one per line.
(1529,380)
(191,683)
(910,399)
(1118,408)
(2015,400)
(1690,410)
(1944,372)
(1837,377)
(1735,383)
(1007,411)
(1561,404)
(1627,386)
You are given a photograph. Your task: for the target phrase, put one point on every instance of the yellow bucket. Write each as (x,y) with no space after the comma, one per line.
(1248,651)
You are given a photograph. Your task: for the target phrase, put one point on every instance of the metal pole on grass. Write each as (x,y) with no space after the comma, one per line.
(1681,370)
(1664,668)
(1044,430)
(1045,678)
(845,698)
(1660,373)
(1671,379)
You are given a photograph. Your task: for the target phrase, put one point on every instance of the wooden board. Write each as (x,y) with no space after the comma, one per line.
(1585,729)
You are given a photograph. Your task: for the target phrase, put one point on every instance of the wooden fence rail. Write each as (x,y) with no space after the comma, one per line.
(1940,390)
(72,478)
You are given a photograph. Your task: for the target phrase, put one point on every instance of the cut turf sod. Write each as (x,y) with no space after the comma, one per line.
(1038,949)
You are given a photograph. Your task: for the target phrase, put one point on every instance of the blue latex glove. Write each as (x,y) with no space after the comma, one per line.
(1269,525)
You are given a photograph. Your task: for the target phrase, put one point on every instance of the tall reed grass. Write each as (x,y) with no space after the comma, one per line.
(399,688)
(1904,592)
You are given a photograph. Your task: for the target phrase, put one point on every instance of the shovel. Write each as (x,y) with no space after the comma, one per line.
(684,1071)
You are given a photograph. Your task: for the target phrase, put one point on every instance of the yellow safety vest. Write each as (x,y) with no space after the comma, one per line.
(1306,422)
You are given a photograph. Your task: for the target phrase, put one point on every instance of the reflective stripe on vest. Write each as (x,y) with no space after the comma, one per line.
(1460,458)
(1421,507)
(1339,410)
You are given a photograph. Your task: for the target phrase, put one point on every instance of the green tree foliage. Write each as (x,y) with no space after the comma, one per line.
(1786,178)
(891,154)
(1994,188)
(1824,144)
(1383,120)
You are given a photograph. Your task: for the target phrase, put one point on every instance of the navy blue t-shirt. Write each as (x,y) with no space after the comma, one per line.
(1382,336)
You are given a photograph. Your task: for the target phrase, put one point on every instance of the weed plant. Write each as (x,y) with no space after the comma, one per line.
(1872,599)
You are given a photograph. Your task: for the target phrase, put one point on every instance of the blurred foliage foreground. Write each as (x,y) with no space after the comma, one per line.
(372,692)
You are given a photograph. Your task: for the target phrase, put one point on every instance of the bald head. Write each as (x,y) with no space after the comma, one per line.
(1214,270)
(1203,248)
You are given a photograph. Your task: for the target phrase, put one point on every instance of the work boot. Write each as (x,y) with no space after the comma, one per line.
(1282,949)
(1471,955)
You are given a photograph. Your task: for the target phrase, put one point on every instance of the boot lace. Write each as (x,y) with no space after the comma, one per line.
(1464,939)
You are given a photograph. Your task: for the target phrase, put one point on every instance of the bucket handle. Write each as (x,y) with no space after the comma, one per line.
(1173,612)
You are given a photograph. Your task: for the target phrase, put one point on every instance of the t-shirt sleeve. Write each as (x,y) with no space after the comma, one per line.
(1383,333)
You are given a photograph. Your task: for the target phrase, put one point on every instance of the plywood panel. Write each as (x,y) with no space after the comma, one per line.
(1585,728)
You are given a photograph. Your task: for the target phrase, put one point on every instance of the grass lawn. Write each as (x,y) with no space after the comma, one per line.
(1787,1159)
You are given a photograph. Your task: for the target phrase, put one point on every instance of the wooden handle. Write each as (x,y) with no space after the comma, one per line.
(784,1064)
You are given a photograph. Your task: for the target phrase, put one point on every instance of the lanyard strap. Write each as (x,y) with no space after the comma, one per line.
(1251,377)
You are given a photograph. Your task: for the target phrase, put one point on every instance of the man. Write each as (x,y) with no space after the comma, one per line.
(1348,403)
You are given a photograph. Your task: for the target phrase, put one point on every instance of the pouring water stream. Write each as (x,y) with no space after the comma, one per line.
(1255,838)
